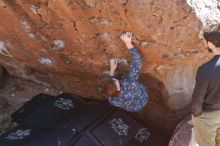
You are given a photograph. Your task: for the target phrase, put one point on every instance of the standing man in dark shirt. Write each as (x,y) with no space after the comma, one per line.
(127,93)
(206,95)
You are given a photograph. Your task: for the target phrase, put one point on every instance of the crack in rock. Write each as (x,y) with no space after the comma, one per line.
(82,41)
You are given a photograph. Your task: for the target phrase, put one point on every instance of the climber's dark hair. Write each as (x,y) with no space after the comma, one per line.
(110,89)
(212,34)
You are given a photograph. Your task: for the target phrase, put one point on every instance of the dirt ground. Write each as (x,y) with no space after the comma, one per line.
(17,91)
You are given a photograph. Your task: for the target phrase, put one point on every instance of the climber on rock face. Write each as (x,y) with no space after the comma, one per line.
(206,95)
(127,93)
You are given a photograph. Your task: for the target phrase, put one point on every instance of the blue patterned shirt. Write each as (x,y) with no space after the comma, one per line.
(133,95)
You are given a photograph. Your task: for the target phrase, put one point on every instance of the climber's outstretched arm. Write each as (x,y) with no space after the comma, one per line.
(113,66)
(134,71)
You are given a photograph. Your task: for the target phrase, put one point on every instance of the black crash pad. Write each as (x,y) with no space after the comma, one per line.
(66,120)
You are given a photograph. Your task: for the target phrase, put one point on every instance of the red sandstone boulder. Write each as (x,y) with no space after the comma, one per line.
(67,44)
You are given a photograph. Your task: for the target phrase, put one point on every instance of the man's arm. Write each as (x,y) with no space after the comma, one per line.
(199,93)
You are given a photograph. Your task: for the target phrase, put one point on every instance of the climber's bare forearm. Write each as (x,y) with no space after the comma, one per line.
(113,66)
(129,45)
(112,72)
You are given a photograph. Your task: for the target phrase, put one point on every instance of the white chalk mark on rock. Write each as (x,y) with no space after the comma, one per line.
(105,21)
(106,36)
(144,43)
(43,38)
(27,29)
(31,35)
(45,61)
(35,9)
(43,50)
(26,25)
(59,45)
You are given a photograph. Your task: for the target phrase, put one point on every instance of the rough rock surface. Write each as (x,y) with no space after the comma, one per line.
(5,121)
(182,135)
(3,102)
(3,76)
(66,44)
(2,72)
